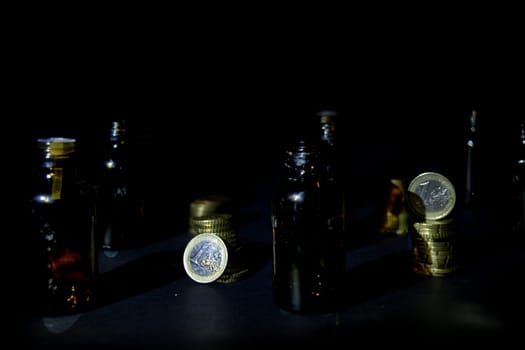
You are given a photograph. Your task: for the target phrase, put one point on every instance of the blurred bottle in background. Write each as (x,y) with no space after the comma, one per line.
(120,203)
(331,172)
(518,183)
(470,173)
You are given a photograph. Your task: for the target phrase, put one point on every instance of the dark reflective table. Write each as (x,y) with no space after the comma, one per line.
(147,301)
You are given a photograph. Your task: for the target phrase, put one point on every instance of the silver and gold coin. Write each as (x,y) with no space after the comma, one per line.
(431,196)
(205,257)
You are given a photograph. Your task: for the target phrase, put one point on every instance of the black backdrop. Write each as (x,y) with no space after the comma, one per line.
(216,110)
(233,127)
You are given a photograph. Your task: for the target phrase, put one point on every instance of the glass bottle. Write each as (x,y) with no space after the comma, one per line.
(120,207)
(330,159)
(62,226)
(518,183)
(470,187)
(327,138)
(308,253)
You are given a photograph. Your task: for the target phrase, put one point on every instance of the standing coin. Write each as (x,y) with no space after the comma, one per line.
(205,257)
(431,196)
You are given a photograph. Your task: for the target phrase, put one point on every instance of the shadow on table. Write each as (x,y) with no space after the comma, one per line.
(140,275)
(379,277)
(158,269)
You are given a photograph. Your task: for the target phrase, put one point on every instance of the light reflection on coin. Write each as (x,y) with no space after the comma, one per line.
(205,257)
(431,196)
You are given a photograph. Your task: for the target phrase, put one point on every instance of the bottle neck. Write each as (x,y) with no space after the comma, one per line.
(301,162)
(519,158)
(117,145)
(521,145)
(327,120)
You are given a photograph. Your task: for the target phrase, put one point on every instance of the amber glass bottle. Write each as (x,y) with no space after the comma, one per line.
(308,252)
(62,228)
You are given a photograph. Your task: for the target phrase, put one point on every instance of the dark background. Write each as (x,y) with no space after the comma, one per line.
(213,99)
(213,96)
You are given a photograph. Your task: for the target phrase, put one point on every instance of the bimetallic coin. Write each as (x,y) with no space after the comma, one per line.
(431,196)
(205,257)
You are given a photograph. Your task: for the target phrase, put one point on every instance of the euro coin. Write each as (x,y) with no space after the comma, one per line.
(205,257)
(431,196)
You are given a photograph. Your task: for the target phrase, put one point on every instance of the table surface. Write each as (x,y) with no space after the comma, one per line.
(147,301)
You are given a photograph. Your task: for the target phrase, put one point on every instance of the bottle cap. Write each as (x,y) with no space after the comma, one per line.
(57,146)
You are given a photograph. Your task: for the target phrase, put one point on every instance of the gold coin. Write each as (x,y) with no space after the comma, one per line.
(432,270)
(431,196)
(233,274)
(205,206)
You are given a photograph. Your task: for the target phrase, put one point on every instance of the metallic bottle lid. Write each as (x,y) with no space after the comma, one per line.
(56,147)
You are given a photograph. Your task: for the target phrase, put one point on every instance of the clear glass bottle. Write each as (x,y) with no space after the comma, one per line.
(308,252)
(62,215)
(120,205)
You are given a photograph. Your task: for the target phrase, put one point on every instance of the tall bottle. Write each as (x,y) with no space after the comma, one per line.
(308,252)
(330,158)
(120,205)
(62,226)
(327,141)
(518,184)
(470,174)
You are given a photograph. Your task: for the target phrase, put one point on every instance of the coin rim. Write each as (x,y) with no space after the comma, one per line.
(189,247)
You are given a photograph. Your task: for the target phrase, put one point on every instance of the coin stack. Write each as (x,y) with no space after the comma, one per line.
(221,224)
(204,206)
(431,197)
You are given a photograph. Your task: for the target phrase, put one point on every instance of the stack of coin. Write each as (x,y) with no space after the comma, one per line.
(204,206)
(236,269)
(431,198)
(221,224)
(434,246)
